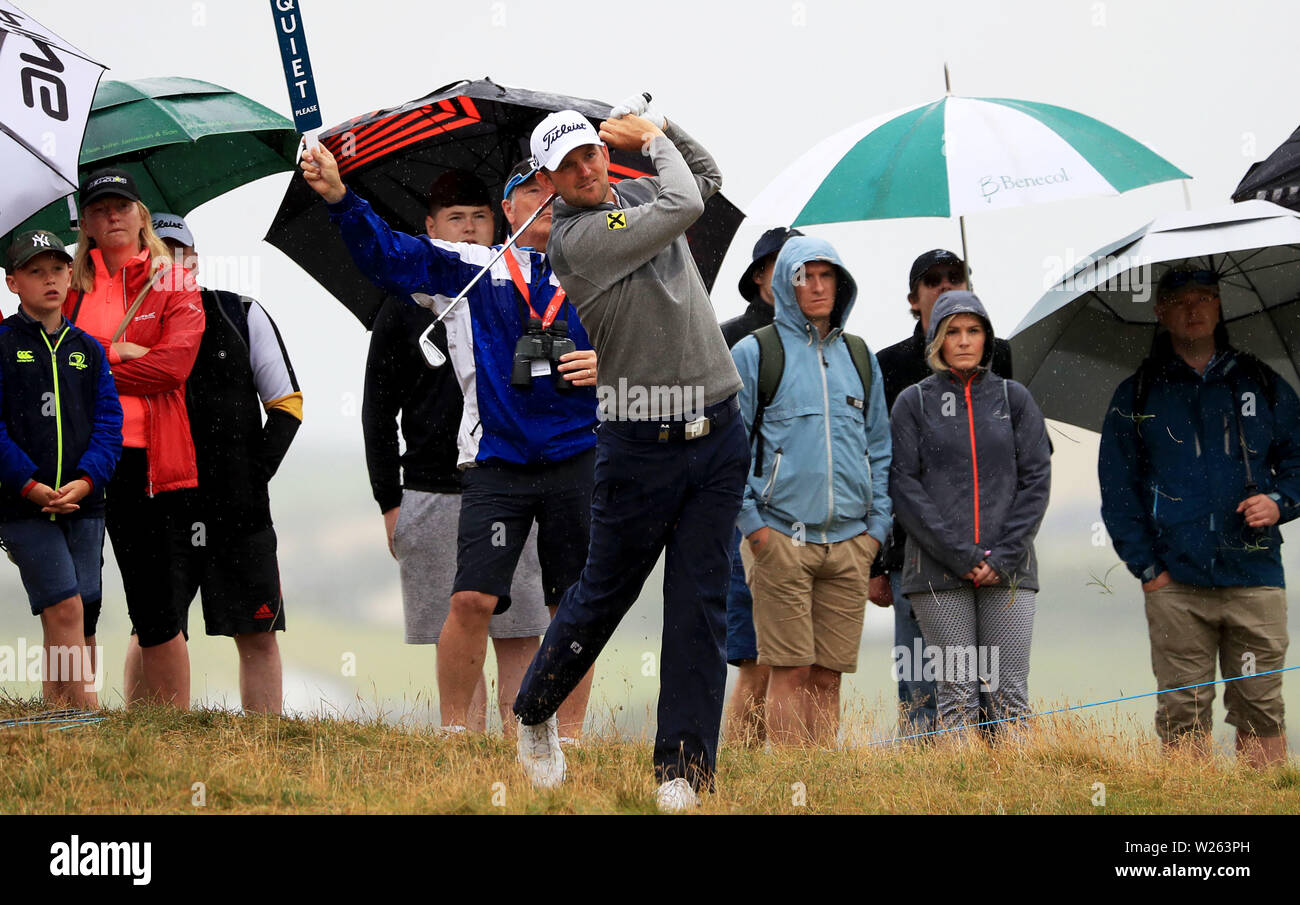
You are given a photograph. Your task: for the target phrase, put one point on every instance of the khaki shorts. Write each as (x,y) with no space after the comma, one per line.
(809,600)
(1244,629)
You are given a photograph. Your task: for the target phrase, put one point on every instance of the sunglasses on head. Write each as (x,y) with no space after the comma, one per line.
(1176,279)
(933,278)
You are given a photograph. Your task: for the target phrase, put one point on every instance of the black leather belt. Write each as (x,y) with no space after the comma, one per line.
(678,431)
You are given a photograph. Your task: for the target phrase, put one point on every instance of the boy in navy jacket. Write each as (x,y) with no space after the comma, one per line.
(60,438)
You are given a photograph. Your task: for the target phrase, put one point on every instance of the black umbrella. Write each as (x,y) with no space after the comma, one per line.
(1276,178)
(392,156)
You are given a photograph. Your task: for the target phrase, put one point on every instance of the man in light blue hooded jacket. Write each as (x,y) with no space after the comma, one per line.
(816,504)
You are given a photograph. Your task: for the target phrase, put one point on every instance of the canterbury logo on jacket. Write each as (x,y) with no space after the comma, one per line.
(826,449)
(61,417)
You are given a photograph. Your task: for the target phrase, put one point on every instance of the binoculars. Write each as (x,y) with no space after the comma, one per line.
(540,344)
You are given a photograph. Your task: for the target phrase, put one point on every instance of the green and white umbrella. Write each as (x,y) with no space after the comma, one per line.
(958,156)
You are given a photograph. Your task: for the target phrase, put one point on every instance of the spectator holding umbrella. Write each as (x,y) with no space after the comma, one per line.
(969,481)
(1199,464)
(527,434)
(146,311)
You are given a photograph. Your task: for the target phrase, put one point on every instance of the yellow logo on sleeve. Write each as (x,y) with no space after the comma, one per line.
(617,219)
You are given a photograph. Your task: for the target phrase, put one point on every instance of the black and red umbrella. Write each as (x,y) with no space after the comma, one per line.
(391,157)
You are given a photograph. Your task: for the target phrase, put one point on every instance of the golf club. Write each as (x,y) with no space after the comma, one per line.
(433,356)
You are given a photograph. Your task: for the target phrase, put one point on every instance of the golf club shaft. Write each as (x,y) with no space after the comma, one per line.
(488,266)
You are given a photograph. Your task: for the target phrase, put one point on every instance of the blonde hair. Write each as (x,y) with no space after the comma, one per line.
(934,351)
(83,269)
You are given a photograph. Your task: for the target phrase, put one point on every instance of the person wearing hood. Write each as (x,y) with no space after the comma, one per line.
(1199,463)
(816,504)
(970,481)
(932,274)
(746,722)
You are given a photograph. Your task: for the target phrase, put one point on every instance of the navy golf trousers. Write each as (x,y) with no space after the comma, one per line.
(682,495)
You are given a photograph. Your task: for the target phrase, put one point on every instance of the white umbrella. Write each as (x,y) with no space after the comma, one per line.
(1095,326)
(43,110)
(957,156)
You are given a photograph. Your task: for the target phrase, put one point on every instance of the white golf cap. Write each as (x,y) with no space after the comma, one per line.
(170,226)
(559,134)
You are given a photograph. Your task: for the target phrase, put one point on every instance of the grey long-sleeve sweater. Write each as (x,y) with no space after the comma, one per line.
(629,272)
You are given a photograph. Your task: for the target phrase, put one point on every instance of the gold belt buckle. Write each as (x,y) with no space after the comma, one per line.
(697,428)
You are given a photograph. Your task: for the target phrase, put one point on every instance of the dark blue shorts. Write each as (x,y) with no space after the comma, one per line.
(58,560)
(499,503)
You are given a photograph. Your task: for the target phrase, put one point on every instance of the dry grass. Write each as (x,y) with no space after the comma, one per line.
(148,760)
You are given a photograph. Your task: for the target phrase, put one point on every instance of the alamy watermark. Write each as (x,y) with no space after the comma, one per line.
(634,402)
(27,663)
(948,663)
(1079,275)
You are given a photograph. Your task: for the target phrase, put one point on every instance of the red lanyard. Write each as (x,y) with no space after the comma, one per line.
(556,300)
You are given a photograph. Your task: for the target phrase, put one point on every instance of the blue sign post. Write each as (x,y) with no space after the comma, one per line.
(297,64)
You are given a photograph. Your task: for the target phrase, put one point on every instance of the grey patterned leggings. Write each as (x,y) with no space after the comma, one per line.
(977,650)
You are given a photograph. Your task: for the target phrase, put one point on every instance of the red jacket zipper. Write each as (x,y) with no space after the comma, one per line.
(974,458)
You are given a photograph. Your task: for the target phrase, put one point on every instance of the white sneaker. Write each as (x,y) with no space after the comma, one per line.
(676,796)
(452,729)
(540,754)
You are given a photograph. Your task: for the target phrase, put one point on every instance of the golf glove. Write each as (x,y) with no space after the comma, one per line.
(638,105)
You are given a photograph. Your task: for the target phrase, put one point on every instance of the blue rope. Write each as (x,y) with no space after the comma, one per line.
(1131,697)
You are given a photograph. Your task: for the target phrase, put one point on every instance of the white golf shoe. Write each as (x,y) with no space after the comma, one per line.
(676,796)
(540,754)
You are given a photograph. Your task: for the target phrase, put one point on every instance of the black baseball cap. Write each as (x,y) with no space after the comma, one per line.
(928,260)
(1177,277)
(110,181)
(32,243)
(768,244)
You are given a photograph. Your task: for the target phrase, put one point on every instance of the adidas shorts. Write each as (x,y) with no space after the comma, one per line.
(239,579)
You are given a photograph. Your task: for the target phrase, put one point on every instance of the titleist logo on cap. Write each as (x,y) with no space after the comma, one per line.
(562,129)
(164,223)
(102,179)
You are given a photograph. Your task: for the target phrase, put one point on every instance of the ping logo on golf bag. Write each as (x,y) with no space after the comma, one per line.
(77,360)
(26,355)
(617,219)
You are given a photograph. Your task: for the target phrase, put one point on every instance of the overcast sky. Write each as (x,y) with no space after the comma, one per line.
(1209,86)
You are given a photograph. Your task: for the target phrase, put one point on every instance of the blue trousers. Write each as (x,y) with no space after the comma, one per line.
(681,496)
(915,694)
(742,642)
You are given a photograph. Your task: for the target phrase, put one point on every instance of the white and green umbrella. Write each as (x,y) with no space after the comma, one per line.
(958,156)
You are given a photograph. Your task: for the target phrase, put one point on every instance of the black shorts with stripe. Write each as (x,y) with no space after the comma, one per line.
(239,579)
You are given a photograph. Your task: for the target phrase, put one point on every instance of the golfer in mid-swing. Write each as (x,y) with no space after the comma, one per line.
(664,478)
